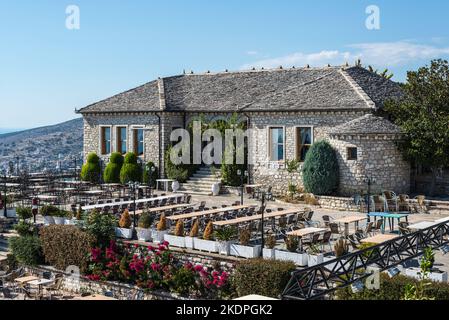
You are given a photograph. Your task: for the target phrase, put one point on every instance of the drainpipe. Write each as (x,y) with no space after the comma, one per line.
(160,145)
(248,124)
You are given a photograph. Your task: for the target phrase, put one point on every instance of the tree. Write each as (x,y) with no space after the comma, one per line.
(320,170)
(423,115)
(131,171)
(292,166)
(384,74)
(91,170)
(112,171)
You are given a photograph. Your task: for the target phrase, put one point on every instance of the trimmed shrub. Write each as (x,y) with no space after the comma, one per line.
(24,213)
(394,289)
(263,277)
(65,246)
(125,220)
(131,171)
(24,228)
(162,224)
(209,231)
(91,170)
(229,174)
(49,210)
(27,250)
(180,172)
(320,170)
(112,172)
(154,175)
(145,220)
(101,227)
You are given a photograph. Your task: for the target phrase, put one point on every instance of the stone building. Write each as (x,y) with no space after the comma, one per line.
(288,110)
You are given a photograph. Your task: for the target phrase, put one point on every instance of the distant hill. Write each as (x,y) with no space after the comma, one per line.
(40,148)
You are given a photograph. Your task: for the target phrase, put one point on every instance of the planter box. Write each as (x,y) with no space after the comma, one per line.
(70,222)
(205,245)
(433,276)
(313,260)
(299,259)
(245,251)
(124,233)
(189,242)
(49,220)
(11,213)
(224,247)
(59,220)
(175,241)
(158,236)
(143,234)
(268,253)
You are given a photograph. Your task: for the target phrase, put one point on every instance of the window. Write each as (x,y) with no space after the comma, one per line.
(276,144)
(105,140)
(352,153)
(122,140)
(138,141)
(304,140)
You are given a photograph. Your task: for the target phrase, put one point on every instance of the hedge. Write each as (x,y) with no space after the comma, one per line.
(393,289)
(91,170)
(65,246)
(131,171)
(320,170)
(27,250)
(112,171)
(264,277)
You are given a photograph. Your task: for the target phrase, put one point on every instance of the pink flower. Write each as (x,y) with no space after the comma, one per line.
(95,254)
(150,248)
(93,277)
(136,246)
(198,268)
(155,266)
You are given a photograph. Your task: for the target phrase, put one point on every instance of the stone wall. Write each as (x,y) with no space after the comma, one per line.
(377,157)
(149,121)
(273,173)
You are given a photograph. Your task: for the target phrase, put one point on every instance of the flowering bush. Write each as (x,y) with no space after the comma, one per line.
(155,268)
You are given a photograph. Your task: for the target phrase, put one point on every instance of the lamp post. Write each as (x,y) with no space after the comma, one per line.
(369,181)
(5,211)
(133,187)
(150,169)
(242,175)
(262,211)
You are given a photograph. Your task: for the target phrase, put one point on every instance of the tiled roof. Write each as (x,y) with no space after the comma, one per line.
(367,124)
(263,90)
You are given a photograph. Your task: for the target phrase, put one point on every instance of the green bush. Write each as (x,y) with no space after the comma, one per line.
(24,228)
(49,210)
(154,175)
(183,281)
(145,220)
(112,171)
(101,227)
(91,170)
(24,213)
(64,246)
(229,174)
(263,277)
(131,171)
(180,172)
(393,289)
(320,170)
(27,250)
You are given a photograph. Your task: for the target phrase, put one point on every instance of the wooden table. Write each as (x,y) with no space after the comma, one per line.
(26,279)
(256,217)
(165,208)
(206,212)
(305,232)
(348,220)
(99,206)
(380,238)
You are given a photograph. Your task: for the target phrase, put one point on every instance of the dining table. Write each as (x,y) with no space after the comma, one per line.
(379,238)
(265,216)
(207,212)
(301,233)
(348,220)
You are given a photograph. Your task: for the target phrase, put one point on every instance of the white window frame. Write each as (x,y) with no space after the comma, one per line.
(100,138)
(296,138)
(269,143)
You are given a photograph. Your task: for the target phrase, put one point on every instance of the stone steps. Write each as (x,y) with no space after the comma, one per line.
(201,182)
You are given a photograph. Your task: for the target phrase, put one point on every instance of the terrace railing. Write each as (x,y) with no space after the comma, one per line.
(320,280)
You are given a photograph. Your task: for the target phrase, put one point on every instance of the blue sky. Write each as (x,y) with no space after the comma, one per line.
(46,70)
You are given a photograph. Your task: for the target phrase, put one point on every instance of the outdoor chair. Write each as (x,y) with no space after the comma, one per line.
(224,205)
(327,220)
(353,242)
(391,201)
(7,294)
(359,235)
(188,199)
(326,240)
(378,226)
(315,240)
(356,200)
(335,229)
(420,206)
(403,203)
(378,204)
(403,228)
(268,211)
(308,218)
(213,207)
(202,205)
(291,219)
(237,203)
(369,229)
(269,194)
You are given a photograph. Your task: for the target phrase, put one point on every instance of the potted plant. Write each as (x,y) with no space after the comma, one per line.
(270,243)
(224,236)
(215,189)
(124,230)
(427,270)
(292,243)
(24,213)
(68,218)
(143,227)
(59,217)
(48,211)
(161,229)
(193,234)
(315,257)
(207,243)
(177,240)
(341,248)
(244,249)
(175,186)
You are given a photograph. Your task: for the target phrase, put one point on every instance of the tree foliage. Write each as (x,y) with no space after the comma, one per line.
(423,116)
(91,170)
(320,170)
(131,171)
(112,172)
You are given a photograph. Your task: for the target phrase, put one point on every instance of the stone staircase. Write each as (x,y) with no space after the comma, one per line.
(201,182)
